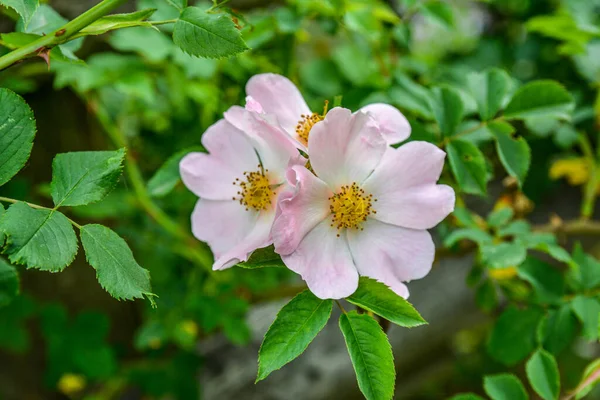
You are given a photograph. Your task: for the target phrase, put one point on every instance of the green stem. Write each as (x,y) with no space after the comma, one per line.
(61,35)
(38,207)
(195,253)
(591,187)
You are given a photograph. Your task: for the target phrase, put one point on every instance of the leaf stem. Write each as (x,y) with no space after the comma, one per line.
(61,35)
(470,130)
(340,306)
(37,207)
(195,252)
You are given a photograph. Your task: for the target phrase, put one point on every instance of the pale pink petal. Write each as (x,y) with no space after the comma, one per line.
(211,175)
(301,208)
(325,263)
(274,147)
(277,95)
(404,184)
(391,254)
(392,123)
(257,238)
(222,224)
(253,105)
(345,148)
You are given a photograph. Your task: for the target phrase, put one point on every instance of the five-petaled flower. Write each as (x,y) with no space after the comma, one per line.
(276,96)
(364,211)
(238,183)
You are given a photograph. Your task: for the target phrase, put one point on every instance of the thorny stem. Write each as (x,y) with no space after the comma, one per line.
(61,35)
(38,207)
(192,250)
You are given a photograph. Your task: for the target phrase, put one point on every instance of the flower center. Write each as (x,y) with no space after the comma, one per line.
(308,121)
(255,193)
(350,207)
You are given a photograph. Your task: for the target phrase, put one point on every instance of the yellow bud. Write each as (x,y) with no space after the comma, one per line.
(71,384)
(575,170)
(501,274)
(189,327)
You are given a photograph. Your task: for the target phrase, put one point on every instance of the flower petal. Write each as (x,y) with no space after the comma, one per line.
(222,224)
(211,175)
(391,254)
(345,147)
(275,148)
(277,95)
(301,208)
(257,238)
(325,263)
(404,186)
(393,125)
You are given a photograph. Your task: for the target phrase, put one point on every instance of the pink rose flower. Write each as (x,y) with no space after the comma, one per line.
(238,183)
(366,208)
(276,96)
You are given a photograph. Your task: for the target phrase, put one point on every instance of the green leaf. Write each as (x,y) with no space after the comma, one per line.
(543,375)
(14,40)
(262,258)
(504,387)
(540,99)
(587,310)
(489,89)
(179,4)
(513,335)
(42,239)
(468,166)
(207,35)
(168,176)
(296,325)
(466,396)
(589,379)
(376,297)
(1,232)
(9,283)
(116,269)
(371,355)
(439,12)
(546,280)
(586,272)
(17,130)
(476,235)
(448,109)
(514,152)
(408,95)
(503,255)
(85,177)
(560,329)
(25,8)
(486,296)
(117,21)
(500,217)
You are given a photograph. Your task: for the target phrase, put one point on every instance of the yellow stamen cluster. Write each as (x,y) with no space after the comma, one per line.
(255,193)
(350,207)
(308,121)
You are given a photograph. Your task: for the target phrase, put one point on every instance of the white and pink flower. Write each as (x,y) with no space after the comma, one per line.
(277,97)
(364,211)
(238,183)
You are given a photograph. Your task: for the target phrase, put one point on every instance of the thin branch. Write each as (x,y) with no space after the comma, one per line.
(61,35)
(195,252)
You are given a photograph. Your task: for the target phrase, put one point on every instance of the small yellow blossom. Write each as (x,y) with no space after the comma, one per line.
(575,170)
(189,327)
(501,274)
(71,384)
